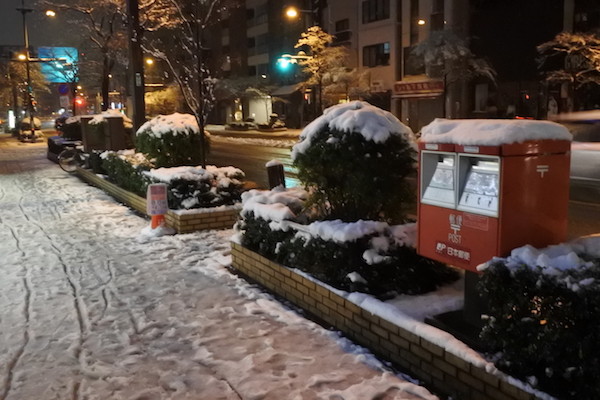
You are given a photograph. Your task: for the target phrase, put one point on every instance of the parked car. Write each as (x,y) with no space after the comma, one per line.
(585,153)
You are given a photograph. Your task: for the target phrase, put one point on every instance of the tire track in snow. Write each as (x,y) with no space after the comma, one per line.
(8,380)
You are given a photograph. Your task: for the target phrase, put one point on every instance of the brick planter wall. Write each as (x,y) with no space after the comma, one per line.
(438,368)
(181,222)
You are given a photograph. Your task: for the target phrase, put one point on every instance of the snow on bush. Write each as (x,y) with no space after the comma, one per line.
(174,124)
(491,132)
(111,113)
(370,256)
(189,187)
(171,140)
(356,159)
(543,312)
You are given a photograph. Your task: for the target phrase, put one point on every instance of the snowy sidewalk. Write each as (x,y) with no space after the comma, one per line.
(89,309)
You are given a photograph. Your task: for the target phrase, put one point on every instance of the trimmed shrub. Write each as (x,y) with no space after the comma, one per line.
(171,140)
(355,160)
(125,169)
(400,271)
(195,187)
(545,327)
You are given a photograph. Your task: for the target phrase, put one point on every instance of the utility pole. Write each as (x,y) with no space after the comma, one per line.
(24,12)
(136,64)
(200,72)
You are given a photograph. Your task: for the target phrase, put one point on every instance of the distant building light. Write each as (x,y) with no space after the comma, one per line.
(22,57)
(421,22)
(50,13)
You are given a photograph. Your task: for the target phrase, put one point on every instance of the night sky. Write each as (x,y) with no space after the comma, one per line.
(43,31)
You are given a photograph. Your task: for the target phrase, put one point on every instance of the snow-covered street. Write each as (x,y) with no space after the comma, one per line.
(92,309)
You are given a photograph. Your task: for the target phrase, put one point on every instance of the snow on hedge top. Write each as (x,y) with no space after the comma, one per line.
(111,113)
(357,116)
(491,132)
(223,175)
(177,124)
(554,259)
(274,205)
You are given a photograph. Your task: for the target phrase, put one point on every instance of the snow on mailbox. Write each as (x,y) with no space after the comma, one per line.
(489,186)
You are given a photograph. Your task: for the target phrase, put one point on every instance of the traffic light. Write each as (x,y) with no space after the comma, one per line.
(283,64)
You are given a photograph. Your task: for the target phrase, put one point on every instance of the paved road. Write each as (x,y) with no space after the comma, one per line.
(90,309)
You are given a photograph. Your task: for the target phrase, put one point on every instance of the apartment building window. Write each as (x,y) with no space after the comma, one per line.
(262,43)
(377,54)
(342,25)
(342,31)
(375,10)
(437,15)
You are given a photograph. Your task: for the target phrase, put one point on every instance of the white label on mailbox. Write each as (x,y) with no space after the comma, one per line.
(431,146)
(471,149)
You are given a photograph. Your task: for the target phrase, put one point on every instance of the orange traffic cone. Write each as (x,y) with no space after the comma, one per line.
(157,220)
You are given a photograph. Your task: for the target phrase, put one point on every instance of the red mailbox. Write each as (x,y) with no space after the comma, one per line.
(489,186)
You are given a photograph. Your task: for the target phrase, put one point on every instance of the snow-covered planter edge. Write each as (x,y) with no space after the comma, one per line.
(434,356)
(183,221)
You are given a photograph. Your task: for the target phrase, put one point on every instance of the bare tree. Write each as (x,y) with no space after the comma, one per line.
(579,56)
(13,82)
(102,20)
(446,56)
(179,41)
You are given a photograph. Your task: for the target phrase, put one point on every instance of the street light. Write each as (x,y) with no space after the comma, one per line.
(24,12)
(293,12)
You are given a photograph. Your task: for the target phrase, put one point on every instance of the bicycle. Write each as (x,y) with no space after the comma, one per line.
(72,157)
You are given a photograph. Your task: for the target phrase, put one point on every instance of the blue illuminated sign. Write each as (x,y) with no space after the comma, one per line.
(63,70)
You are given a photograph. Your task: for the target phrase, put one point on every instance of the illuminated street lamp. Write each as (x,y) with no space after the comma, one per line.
(292,12)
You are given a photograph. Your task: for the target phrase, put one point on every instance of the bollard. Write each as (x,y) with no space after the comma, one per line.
(275,174)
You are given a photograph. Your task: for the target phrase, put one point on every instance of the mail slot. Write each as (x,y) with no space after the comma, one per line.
(489,186)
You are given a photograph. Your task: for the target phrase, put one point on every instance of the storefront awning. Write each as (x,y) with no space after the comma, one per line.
(284,90)
(417,89)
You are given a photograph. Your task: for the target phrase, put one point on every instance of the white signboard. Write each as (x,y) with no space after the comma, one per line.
(64,101)
(156,199)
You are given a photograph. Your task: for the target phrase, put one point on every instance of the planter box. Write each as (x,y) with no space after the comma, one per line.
(439,368)
(183,221)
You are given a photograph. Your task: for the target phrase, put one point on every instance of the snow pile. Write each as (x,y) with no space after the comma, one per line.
(371,122)
(176,124)
(491,132)
(128,155)
(555,259)
(281,206)
(224,176)
(104,115)
(276,205)
(73,120)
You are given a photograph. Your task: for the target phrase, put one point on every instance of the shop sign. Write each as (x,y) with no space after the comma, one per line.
(416,89)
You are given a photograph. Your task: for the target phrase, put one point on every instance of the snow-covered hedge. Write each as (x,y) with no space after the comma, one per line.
(125,169)
(356,159)
(171,140)
(367,256)
(189,187)
(544,308)
(196,187)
